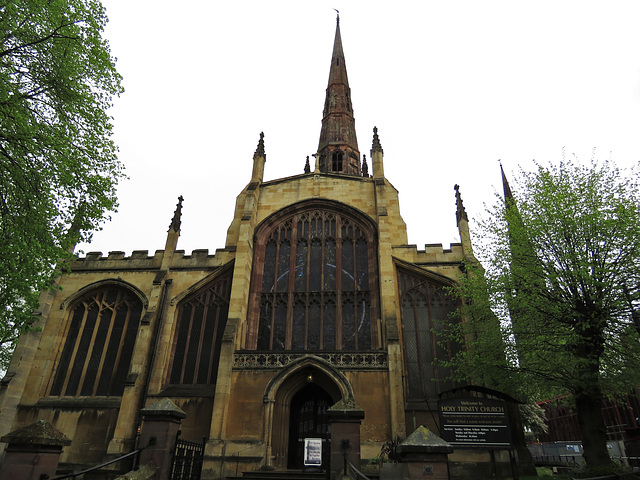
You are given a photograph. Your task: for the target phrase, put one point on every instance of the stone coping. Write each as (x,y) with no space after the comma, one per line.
(38,433)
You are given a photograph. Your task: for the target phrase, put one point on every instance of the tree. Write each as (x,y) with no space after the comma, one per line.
(563,278)
(58,161)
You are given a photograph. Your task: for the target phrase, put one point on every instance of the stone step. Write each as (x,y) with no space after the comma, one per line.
(280,475)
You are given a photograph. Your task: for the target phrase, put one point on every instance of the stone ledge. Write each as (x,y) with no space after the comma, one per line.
(78,402)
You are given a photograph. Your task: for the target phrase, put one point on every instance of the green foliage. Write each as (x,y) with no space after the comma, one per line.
(585,471)
(553,313)
(389,451)
(533,418)
(58,161)
(562,280)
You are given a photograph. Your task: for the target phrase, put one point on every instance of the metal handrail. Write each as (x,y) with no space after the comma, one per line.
(353,468)
(152,441)
(237,455)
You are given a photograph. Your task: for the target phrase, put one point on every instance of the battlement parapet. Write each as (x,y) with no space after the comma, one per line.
(433,253)
(141,260)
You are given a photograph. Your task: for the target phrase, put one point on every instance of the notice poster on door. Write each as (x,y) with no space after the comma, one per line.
(312,452)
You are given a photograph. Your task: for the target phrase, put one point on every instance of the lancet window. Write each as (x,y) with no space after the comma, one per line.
(426,308)
(100,336)
(314,283)
(201,320)
(336,162)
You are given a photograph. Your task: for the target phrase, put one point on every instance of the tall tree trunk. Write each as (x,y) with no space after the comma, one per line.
(588,392)
(592,426)
(525,461)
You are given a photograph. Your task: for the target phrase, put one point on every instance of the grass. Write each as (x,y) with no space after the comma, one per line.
(545,473)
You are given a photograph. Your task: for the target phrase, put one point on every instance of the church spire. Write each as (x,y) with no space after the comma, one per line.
(505,185)
(338,147)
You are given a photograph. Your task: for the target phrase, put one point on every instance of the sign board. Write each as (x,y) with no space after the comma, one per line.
(474,422)
(312,452)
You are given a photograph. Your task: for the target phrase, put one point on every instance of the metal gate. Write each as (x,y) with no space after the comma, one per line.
(187,459)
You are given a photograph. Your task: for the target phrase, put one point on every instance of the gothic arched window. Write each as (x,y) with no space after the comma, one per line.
(99,344)
(314,282)
(202,318)
(425,306)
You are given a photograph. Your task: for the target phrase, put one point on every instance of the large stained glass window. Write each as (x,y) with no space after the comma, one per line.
(101,333)
(425,307)
(314,282)
(202,318)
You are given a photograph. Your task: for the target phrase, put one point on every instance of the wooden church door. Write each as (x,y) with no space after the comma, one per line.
(308,419)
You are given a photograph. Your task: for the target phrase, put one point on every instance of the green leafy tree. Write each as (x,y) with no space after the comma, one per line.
(58,161)
(554,311)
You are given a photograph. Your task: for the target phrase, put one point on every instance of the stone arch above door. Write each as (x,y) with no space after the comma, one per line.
(281,390)
(328,375)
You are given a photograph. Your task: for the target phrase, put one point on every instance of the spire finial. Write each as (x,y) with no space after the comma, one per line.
(376,147)
(260,147)
(365,167)
(460,211)
(337,16)
(175,221)
(307,167)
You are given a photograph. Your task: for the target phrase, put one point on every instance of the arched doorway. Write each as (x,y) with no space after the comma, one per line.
(278,399)
(308,419)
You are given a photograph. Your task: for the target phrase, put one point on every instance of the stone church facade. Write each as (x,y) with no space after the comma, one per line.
(315,298)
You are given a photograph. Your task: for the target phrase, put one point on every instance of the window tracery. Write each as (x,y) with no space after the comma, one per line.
(99,344)
(425,306)
(201,319)
(314,285)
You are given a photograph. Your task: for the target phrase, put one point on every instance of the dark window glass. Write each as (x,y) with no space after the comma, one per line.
(280,325)
(348,271)
(336,161)
(283,267)
(266,319)
(129,330)
(329,304)
(299,314)
(270,258)
(194,341)
(315,273)
(330,265)
(363,327)
(348,327)
(313,328)
(411,345)
(425,307)
(301,263)
(99,344)
(201,319)
(363,265)
(93,365)
(329,325)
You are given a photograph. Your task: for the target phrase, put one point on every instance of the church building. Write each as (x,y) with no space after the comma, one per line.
(316,298)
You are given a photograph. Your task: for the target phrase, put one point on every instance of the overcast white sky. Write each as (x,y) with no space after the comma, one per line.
(452,86)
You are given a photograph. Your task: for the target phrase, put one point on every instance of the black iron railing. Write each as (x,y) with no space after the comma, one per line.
(135,453)
(187,459)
